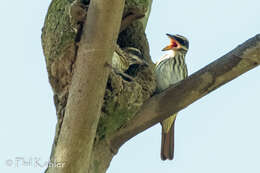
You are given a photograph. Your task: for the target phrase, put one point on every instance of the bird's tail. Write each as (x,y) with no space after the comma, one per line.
(167,145)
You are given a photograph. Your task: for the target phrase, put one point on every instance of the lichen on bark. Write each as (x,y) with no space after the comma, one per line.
(123,97)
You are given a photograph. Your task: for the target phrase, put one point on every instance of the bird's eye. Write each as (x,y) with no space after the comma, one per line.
(180,40)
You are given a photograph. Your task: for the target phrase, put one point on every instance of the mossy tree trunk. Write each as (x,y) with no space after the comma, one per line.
(62,41)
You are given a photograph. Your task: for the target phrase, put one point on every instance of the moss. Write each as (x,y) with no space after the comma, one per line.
(140,4)
(123,98)
(57,32)
(119,106)
(109,123)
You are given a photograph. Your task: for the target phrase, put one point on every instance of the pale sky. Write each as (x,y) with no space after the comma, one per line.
(218,133)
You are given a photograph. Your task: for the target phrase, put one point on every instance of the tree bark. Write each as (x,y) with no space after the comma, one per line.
(78,130)
(61,34)
(238,61)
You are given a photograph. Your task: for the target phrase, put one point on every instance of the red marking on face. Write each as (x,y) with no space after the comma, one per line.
(173,43)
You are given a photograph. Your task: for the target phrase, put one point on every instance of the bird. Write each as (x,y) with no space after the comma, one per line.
(124,58)
(170,69)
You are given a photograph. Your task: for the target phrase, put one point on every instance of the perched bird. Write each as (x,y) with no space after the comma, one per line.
(170,69)
(123,59)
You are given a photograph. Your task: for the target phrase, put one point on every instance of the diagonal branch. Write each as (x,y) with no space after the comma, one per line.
(238,61)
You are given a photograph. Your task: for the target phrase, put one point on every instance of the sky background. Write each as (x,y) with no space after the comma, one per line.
(218,133)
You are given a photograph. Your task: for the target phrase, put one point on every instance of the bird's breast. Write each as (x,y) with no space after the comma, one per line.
(169,72)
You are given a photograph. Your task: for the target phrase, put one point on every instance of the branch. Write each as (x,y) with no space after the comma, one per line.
(87,89)
(240,60)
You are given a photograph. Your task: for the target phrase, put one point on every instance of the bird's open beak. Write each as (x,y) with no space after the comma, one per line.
(167,48)
(174,43)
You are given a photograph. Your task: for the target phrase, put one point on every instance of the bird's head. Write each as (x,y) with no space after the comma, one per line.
(135,56)
(178,43)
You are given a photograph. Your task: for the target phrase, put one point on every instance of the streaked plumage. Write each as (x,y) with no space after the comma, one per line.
(169,70)
(123,59)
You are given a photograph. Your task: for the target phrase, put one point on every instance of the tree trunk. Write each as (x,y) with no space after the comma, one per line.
(100,158)
(68,37)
